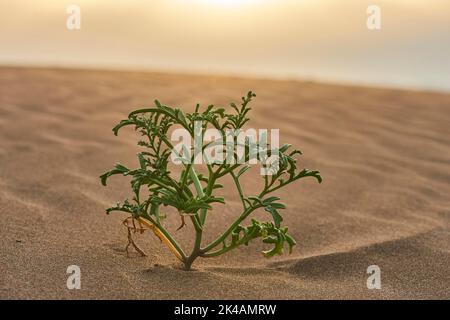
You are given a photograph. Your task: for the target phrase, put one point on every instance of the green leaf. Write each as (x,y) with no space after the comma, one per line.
(271,199)
(310,173)
(243,170)
(118,169)
(218,186)
(142,161)
(284,147)
(277,218)
(291,242)
(257,199)
(278,205)
(121,124)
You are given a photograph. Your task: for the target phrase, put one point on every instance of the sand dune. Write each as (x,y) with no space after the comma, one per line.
(384,155)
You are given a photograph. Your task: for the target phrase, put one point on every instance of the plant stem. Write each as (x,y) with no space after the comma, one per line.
(200,193)
(197,184)
(197,224)
(238,186)
(217,252)
(225,249)
(223,236)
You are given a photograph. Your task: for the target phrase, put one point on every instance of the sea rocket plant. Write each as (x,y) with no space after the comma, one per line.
(192,193)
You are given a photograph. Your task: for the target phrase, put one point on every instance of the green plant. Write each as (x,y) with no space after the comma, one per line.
(192,194)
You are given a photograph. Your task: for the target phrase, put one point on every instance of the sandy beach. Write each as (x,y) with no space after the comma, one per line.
(384,155)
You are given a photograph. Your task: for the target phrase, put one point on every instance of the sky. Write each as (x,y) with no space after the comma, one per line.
(318,40)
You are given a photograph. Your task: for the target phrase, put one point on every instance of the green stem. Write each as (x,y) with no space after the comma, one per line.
(197,244)
(217,252)
(195,220)
(184,177)
(231,168)
(239,188)
(225,249)
(199,189)
(197,184)
(224,235)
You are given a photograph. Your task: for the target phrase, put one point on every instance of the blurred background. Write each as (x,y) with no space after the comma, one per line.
(319,40)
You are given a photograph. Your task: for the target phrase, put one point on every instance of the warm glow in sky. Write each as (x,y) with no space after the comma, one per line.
(314,39)
(227,2)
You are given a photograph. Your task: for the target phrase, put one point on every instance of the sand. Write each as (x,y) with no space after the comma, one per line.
(384,155)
